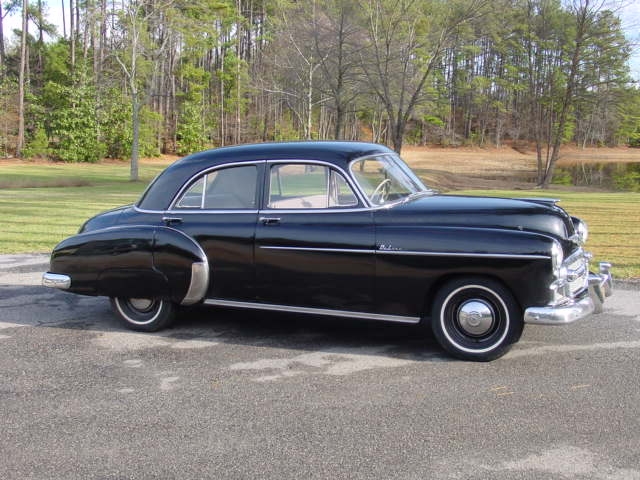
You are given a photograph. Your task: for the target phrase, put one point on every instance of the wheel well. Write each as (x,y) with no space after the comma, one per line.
(443,280)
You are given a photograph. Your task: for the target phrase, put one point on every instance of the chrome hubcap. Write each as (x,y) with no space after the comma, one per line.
(476,317)
(141,304)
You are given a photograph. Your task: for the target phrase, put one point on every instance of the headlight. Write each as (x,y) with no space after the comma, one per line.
(582,232)
(557,257)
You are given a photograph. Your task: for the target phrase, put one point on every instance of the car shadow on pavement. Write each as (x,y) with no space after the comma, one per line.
(196,327)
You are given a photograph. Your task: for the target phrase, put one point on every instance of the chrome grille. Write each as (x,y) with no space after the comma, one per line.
(577,265)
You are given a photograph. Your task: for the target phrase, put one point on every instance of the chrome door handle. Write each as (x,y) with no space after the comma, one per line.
(168,221)
(269,220)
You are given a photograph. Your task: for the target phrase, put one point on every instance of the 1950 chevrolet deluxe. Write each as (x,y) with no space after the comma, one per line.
(334,228)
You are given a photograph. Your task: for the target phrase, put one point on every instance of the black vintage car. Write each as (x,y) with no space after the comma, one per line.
(334,228)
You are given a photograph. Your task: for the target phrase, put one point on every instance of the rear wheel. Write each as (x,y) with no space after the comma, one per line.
(144,314)
(476,318)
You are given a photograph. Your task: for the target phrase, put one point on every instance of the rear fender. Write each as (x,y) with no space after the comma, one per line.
(134,261)
(183,263)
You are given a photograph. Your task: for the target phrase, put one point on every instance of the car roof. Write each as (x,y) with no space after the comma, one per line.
(167,184)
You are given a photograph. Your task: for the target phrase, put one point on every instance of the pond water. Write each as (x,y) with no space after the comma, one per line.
(614,175)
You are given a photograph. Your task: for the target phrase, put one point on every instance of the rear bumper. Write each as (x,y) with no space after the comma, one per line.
(55,280)
(600,287)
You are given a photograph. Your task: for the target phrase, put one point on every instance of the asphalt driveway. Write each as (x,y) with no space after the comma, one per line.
(243,395)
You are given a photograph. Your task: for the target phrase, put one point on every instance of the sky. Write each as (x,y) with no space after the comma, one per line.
(628,11)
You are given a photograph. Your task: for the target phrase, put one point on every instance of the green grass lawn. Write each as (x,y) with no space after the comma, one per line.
(36,217)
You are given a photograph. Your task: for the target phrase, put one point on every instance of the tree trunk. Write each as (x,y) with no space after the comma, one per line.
(135,141)
(21,81)
(398,134)
(1,43)
(72,35)
(582,15)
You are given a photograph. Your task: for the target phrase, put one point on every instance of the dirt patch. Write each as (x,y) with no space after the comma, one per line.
(54,182)
(161,160)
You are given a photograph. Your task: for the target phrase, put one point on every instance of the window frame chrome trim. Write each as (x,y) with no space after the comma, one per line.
(206,172)
(390,204)
(273,211)
(312,311)
(361,199)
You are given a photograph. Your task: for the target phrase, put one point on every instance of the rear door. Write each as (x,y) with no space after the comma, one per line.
(219,209)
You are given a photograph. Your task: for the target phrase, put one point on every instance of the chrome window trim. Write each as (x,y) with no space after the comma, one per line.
(347,177)
(390,204)
(206,172)
(193,211)
(311,310)
(363,200)
(142,210)
(211,211)
(273,211)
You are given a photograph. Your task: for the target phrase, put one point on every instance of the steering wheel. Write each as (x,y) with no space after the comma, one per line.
(381,191)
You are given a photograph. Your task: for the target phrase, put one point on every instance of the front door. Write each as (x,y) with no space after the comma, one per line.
(315,242)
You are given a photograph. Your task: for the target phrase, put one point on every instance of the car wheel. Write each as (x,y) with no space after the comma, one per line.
(476,319)
(144,314)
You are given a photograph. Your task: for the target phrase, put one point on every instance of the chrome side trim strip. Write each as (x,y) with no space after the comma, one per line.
(470,255)
(331,250)
(313,311)
(199,283)
(410,252)
(55,280)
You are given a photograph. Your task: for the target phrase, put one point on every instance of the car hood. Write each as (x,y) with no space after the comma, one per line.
(535,215)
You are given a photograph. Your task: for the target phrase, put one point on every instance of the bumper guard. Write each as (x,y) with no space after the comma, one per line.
(600,287)
(55,280)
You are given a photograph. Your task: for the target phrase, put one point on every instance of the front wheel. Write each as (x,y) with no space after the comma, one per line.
(476,319)
(144,314)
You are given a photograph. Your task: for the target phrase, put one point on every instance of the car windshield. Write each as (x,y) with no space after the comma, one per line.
(386,179)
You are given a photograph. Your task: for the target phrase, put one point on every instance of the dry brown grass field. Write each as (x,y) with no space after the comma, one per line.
(499,168)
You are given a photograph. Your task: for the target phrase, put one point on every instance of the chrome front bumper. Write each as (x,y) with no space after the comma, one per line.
(600,287)
(55,280)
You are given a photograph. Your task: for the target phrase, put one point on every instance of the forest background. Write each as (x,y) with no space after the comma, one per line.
(125,79)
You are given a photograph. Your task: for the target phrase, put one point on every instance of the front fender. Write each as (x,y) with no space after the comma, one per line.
(412,262)
(134,261)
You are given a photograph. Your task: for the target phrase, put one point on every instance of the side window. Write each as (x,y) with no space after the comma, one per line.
(192,198)
(293,186)
(228,188)
(340,193)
